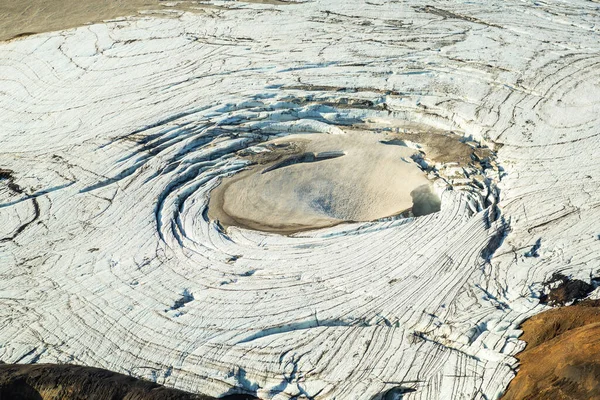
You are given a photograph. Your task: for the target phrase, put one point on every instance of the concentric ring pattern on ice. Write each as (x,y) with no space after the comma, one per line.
(114,135)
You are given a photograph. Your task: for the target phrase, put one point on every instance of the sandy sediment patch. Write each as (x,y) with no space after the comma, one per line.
(317,180)
(309,181)
(18,19)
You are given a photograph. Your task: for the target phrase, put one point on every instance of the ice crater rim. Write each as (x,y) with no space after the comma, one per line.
(206,146)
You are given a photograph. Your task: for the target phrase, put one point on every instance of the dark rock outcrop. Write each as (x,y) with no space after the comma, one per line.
(74,382)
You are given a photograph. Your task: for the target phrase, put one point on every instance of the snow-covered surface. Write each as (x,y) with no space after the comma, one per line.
(117,132)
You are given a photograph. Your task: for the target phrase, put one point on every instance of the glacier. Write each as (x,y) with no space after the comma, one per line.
(113,135)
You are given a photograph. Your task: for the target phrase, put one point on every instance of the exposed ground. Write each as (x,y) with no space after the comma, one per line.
(18,18)
(562,357)
(23,18)
(310,181)
(328,179)
(73,382)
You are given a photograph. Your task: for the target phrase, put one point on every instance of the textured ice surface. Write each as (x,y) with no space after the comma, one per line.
(115,134)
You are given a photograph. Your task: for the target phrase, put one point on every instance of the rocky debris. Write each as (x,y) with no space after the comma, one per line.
(565,290)
(8,175)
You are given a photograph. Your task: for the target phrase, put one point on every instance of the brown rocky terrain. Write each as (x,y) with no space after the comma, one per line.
(562,357)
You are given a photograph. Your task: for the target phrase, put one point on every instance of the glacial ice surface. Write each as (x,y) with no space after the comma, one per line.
(113,136)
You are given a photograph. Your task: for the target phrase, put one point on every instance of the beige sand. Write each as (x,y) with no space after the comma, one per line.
(19,18)
(22,18)
(358,179)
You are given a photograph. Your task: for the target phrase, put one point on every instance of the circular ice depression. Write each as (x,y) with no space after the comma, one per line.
(309,181)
